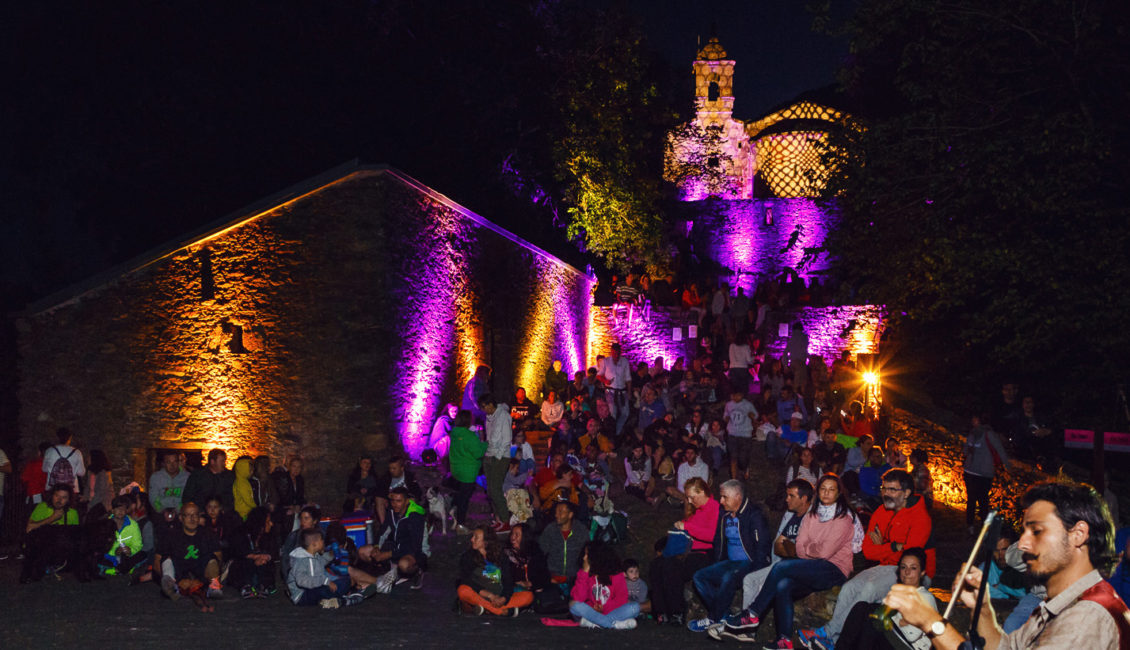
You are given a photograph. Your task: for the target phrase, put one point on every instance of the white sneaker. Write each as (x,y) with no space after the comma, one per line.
(330,603)
(589,624)
(386,581)
(626,624)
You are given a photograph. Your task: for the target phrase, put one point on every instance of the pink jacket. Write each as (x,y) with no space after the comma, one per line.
(702,524)
(602,598)
(830,541)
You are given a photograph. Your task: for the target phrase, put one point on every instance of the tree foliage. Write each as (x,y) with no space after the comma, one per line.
(984,200)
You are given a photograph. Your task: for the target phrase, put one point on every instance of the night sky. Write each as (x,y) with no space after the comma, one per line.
(129,124)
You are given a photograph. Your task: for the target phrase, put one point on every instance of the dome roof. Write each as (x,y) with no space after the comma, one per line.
(712,51)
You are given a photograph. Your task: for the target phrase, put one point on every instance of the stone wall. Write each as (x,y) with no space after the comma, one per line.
(333,324)
(943,448)
(760,237)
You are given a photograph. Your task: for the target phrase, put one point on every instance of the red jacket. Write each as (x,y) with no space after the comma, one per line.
(910,527)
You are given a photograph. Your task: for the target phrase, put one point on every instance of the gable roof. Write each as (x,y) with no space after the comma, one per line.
(257,209)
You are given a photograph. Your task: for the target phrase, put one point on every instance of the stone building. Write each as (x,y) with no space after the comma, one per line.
(776,155)
(331,320)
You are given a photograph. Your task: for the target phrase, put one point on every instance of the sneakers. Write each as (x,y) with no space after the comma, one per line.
(586,623)
(513,612)
(700,624)
(675,620)
(471,610)
(169,587)
(501,528)
(352,598)
(816,639)
(417,580)
(743,622)
(247,592)
(781,644)
(626,624)
(329,603)
(215,589)
(386,581)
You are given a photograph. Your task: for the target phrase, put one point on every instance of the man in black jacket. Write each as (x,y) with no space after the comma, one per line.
(741,545)
(291,488)
(401,542)
(212,480)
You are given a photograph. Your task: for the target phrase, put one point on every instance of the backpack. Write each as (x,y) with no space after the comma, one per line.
(62,473)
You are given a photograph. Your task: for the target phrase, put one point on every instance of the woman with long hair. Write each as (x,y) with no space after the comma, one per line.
(527,562)
(804,466)
(362,481)
(99,484)
(600,595)
(824,560)
(486,583)
(860,634)
(255,551)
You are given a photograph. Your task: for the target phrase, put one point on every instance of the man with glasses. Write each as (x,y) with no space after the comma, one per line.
(188,552)
(903,522)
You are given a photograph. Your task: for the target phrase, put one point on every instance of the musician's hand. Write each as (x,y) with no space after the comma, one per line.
(972,584)
(908,601)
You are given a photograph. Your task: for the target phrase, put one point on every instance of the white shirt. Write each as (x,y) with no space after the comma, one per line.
(686,472)
(54,453)
(740,356)
(618,373)
(740,416)
(499,432)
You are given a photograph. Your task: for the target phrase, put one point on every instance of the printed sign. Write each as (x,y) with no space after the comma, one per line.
(1085,439)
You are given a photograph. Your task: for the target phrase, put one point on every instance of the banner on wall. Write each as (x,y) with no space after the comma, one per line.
(1085,439)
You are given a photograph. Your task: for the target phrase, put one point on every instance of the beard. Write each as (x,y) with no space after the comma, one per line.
(1043,566)
(889,503)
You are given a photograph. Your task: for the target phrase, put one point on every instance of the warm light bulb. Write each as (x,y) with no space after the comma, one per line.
(871,377)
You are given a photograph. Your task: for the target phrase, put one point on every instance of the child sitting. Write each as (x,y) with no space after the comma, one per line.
(515,476)
(637,588)
(523,452)
(309,582)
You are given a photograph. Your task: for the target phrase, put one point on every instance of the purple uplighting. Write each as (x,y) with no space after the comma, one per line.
(742,239)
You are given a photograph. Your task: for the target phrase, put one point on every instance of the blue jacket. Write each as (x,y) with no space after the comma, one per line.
(754,532)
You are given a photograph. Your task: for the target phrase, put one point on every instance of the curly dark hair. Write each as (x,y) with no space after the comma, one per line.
(603,562)
(1076,503)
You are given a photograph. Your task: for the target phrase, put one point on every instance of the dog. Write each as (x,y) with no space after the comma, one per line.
(439,506)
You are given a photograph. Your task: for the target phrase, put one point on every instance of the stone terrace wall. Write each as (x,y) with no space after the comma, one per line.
(946,463)
(329,326)
(738,235)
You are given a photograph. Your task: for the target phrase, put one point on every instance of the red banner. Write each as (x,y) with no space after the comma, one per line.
(1085,439)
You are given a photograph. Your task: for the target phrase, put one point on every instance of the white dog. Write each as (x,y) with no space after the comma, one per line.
(439,505)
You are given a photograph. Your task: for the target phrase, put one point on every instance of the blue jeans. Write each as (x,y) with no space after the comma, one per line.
(790,580)
(618,406)
(628,610)
(1021,612)
(718,583)
(315,596)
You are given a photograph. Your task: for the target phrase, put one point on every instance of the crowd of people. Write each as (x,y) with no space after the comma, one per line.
(694,439)
(198,532)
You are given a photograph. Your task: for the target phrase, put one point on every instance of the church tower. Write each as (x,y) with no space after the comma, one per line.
(713,85)
(711,155)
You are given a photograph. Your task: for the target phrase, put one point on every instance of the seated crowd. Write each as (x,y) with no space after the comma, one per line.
(690,440)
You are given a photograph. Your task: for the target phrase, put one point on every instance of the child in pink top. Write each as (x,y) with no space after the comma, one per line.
(600,594)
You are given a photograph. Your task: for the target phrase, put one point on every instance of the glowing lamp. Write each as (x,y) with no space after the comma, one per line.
(871,378)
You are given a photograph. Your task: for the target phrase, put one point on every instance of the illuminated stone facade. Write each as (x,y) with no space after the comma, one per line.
(712,155)
(327,325)
(717,156)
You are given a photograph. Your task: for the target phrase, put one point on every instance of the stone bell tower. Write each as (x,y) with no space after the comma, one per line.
(711,155)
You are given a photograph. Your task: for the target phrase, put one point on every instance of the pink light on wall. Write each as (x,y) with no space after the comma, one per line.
(737,235)
(831,330)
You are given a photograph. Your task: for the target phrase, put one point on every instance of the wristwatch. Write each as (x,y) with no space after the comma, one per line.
(936,629)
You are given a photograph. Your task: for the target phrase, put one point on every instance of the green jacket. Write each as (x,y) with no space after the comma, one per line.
(466,455)
(129,536)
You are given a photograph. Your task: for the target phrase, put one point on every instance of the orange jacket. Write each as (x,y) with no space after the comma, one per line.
(909,527)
